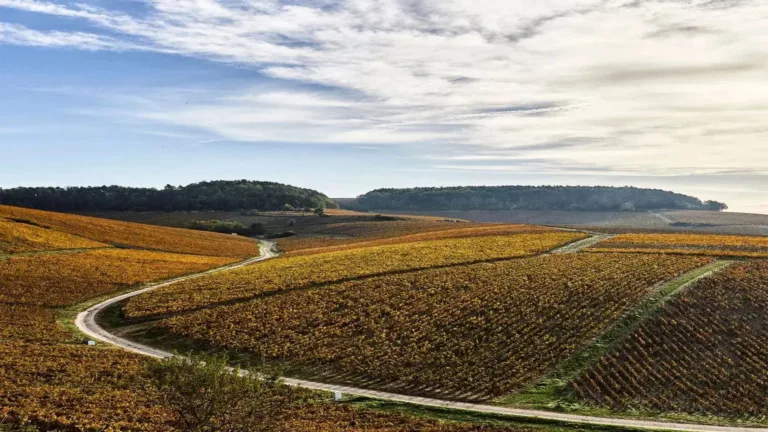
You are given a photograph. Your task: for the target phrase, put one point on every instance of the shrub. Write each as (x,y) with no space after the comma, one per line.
(628,206)
(257,228)
(207,396)
(283,235)
(226,227)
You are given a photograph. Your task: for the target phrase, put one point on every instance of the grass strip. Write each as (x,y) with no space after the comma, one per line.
(549,392)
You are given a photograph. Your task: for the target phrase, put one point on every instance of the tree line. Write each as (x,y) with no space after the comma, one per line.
(584,198)
(218,195)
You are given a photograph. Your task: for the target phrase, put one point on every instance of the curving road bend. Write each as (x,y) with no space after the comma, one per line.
(86,322)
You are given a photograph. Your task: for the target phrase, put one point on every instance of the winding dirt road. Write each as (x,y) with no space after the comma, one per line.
(581,244)
(86,322)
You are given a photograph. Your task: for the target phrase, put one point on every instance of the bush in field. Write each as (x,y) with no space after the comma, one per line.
(257,228)
(226,227)
(207,396)
(628,206)
(320,210)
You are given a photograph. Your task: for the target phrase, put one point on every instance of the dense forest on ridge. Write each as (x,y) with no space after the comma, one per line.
(584,198)
(210,195)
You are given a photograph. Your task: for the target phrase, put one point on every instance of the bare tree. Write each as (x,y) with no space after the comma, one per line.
(207,396)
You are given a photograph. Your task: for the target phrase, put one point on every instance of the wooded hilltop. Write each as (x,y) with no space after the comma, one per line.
(583,198)
(221,195)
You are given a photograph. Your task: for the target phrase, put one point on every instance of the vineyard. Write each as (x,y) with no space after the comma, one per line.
(334,234)
(467,332)
(17,237)
(29,323)
(63,279)
(326,417)
(399,237)
(705,353)
(46,375)
(291,273)
(49,378)
(342,212)
(687,244)
(66,385)
(125,234)
(708,218)
(447,310)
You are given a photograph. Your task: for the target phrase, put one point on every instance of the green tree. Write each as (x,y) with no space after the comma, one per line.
(207,396)
(715,206)
(320,209)
(257,228)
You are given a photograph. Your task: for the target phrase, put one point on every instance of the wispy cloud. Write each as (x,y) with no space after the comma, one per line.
(652,86)
(20,35)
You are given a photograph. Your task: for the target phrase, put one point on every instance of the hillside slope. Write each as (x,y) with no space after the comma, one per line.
(122,234)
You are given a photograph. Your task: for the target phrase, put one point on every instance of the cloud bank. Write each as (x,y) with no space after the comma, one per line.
(652,87)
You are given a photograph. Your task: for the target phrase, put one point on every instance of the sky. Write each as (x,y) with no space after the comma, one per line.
(347,96)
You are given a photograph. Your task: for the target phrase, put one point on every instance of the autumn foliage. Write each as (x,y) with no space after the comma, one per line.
(687,244)
(705,352)
(19,237)
(47,376)
(304,271)
(454,311)
(63,279)
(362,235)
(467,332)
(126,234)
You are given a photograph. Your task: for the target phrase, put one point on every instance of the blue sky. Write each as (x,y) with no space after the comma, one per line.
(352,95)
